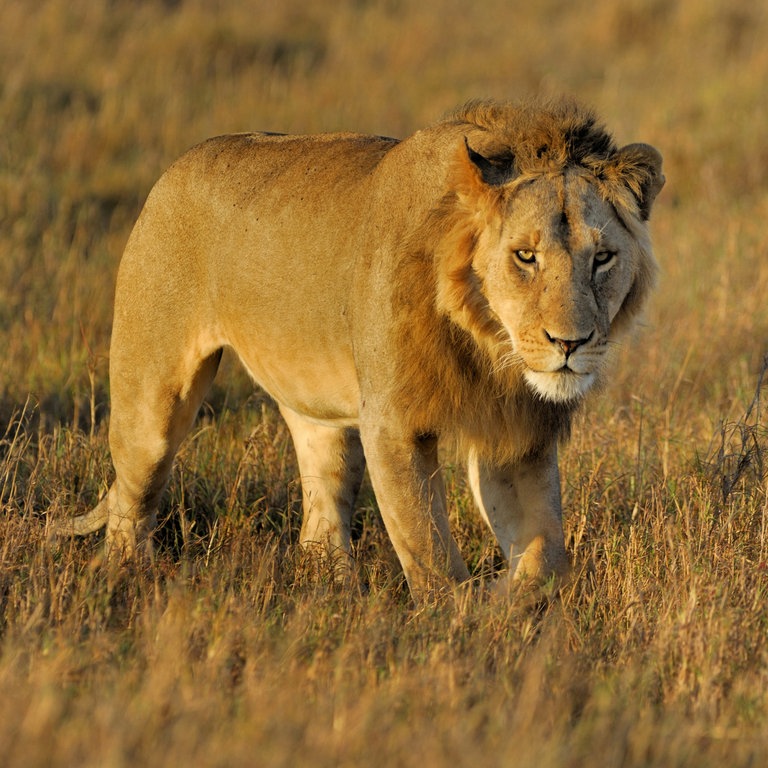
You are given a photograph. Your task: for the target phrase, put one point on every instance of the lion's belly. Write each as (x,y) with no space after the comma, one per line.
(322,386)
(289,327)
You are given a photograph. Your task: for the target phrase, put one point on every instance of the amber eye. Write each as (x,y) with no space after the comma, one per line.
(604,257)
(525,256)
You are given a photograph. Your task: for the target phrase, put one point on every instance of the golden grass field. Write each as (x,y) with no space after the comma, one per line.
(231,650)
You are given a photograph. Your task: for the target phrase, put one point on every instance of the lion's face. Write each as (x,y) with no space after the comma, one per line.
(557,266)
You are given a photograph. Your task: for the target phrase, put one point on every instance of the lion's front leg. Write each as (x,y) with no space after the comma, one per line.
(521,504)
(409,489)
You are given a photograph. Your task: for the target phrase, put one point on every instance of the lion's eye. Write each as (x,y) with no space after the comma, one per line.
(604,257)
(525,256)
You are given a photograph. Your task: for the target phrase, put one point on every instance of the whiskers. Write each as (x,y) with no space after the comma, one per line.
(508,362)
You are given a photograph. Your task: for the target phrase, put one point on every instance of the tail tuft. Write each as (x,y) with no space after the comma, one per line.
(81,525)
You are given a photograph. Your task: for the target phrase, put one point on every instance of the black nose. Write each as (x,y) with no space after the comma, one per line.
(568,345)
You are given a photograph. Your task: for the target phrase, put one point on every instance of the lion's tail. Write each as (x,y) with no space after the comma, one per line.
(82,525)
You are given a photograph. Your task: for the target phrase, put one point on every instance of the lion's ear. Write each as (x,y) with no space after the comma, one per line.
(496,165)
(476,179)
(639,167)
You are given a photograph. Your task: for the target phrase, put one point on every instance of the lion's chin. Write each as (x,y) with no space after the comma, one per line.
(560,386)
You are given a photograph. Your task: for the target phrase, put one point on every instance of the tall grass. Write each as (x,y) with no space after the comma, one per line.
(233,648)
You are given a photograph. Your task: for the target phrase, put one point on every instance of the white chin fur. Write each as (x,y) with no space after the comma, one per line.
(559,386)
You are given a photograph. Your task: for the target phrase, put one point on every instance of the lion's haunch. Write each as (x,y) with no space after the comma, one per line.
(461,287)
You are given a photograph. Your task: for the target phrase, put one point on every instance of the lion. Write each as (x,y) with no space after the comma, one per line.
(460,288)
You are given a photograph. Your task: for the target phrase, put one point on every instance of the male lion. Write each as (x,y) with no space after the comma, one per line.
(462,286)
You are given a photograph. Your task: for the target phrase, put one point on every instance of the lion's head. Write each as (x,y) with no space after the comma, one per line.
(544,254)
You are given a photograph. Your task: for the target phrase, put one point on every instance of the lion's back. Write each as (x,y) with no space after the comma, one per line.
(281,163)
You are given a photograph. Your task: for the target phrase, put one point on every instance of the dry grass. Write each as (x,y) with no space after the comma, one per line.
(232,649)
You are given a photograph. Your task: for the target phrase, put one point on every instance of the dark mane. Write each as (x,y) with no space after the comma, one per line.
(540,136)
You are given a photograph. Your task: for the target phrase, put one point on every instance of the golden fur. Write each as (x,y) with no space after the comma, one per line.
(460,287)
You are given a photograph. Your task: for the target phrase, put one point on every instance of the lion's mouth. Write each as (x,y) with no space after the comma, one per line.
(561,385)
(564,370)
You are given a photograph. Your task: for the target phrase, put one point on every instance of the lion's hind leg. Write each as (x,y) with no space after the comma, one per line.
(151,412)
(150,418)
(331,464)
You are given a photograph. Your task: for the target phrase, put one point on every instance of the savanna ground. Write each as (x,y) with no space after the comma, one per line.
(232,649)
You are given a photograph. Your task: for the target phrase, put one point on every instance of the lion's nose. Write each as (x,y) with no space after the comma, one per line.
(568,345)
